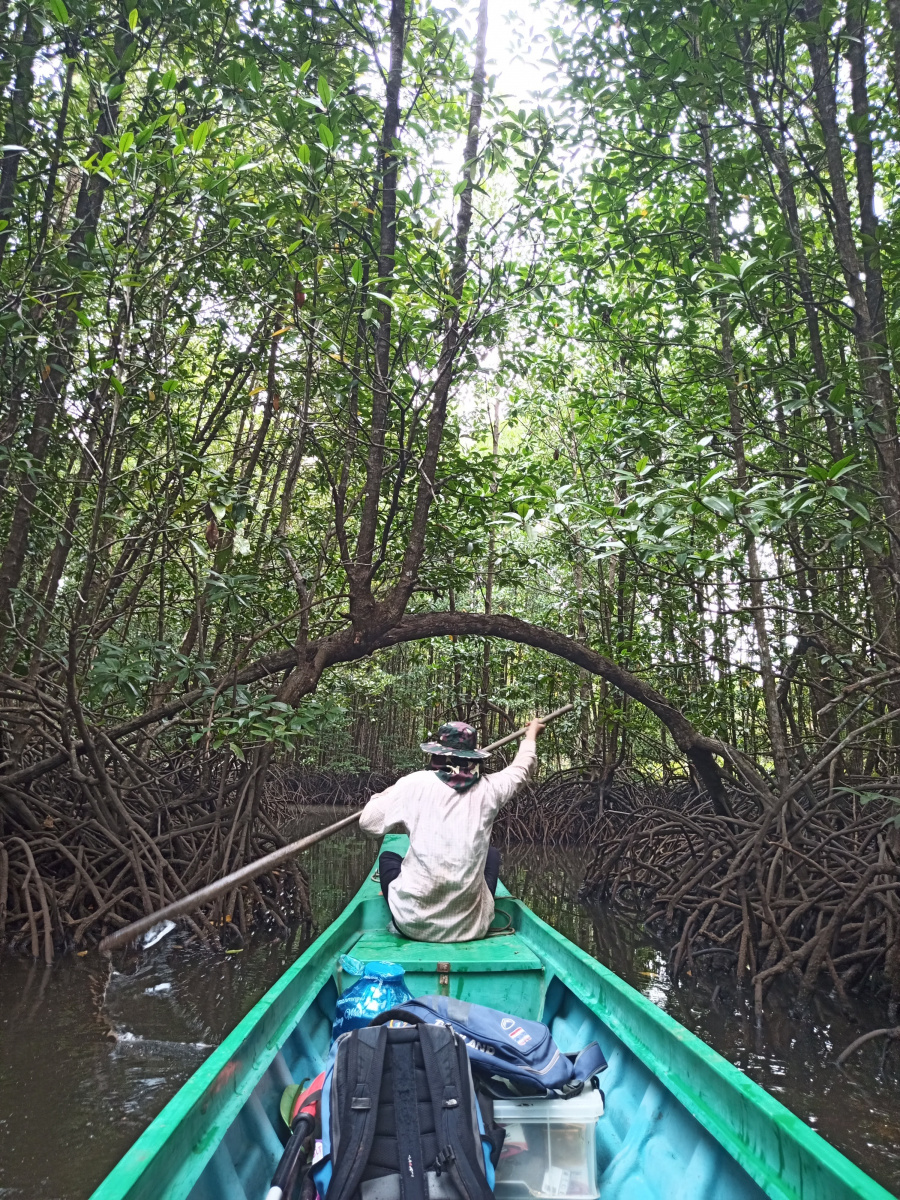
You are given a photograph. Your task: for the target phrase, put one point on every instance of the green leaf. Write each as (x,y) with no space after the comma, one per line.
(255,77)
(837,469)
(325,135)
(324,90)
(854,503)
(718,505)
(59,10)
(126,141)
(201,133)
(133,19)
(356,272)
(713,474)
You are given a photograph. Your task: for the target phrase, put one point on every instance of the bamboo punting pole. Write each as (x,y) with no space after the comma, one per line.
(259,866)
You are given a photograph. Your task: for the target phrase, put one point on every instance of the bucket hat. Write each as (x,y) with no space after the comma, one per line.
(456,739)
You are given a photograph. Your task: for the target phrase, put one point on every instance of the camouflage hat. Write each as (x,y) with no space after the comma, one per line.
(456,739)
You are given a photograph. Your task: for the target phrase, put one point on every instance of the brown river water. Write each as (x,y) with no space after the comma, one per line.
(89,1053)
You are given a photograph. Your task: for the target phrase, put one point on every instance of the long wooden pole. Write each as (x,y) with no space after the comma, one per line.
(212,891)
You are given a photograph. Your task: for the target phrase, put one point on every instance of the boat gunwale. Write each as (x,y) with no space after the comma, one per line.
(131,1166)
(808,1140)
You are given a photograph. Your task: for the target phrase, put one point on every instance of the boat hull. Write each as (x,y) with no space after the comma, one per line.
(681,1123)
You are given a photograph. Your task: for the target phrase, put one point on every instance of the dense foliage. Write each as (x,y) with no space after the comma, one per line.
(337,393)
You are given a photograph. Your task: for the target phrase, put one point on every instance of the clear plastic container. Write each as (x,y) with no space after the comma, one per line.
(550,1148)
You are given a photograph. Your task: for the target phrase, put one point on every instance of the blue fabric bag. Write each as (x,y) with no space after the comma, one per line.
(511,1056)
(380,988)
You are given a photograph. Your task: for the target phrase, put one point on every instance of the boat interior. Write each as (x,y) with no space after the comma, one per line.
(648,1145)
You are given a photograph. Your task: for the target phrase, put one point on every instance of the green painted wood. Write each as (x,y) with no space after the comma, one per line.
(777,1149)
(499,971)
(219,1117)
(507,953)
(169,1156)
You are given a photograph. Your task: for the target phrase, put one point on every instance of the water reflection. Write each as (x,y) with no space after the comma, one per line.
(89,1054)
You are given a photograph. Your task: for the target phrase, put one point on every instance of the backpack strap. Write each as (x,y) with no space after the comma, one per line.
(406,1115)
(587,1064)
(358,1068)
(455,1122)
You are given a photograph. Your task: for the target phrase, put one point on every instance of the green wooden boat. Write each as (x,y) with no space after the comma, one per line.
(680,1122)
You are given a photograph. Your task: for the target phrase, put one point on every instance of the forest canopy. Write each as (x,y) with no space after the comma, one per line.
(342,390)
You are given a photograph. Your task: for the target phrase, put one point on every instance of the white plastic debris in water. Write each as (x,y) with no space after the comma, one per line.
(157,933)
(160,987)
(126,1040)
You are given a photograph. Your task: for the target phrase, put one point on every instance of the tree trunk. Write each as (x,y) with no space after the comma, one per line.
(787,199)
(777,739)
(54,375)
(361,572)
(18,125)
(870,352)
(489,584)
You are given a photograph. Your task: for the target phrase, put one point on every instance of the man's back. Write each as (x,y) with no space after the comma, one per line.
(441,894)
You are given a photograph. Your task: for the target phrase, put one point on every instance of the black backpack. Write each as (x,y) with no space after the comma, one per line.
(400,1119)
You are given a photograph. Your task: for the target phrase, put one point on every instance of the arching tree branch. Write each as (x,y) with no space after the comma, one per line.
(350,645)
(699,749)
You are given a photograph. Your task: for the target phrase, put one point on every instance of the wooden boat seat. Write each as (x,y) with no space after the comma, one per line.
(500,971)
(506,953)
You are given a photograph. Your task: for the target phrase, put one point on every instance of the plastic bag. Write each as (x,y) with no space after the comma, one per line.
(380,988)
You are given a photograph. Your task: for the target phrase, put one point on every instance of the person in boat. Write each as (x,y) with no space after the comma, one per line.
(443,890)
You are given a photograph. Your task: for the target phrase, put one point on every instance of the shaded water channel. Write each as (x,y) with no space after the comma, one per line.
(89,1055)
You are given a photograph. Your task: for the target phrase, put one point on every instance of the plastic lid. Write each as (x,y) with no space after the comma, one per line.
(586,1107)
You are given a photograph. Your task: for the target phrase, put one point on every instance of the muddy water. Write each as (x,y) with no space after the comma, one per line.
(88,1056)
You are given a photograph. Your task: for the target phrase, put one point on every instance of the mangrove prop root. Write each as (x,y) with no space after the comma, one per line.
(891,1034)
(809,891)
(124,830)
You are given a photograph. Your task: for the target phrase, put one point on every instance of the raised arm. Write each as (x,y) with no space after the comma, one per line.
(505,783)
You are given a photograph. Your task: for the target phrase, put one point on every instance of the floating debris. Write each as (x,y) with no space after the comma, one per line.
(157,933)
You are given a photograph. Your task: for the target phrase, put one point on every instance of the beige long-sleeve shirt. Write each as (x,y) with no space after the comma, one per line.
(440,894)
